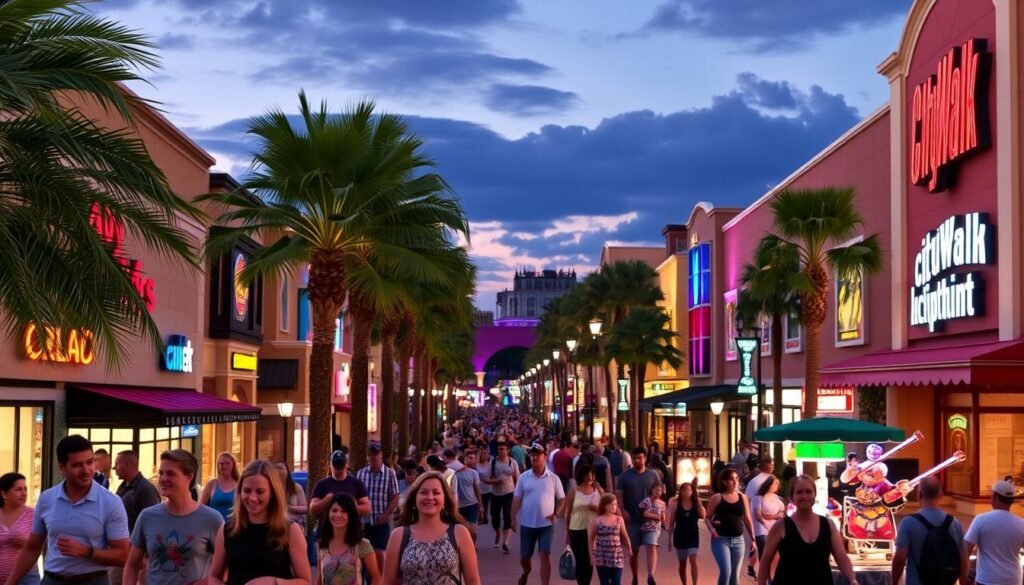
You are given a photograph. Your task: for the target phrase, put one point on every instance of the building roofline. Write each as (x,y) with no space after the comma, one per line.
(151,114)
(827,151)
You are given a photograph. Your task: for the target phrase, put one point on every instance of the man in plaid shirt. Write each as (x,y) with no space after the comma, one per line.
(382,485)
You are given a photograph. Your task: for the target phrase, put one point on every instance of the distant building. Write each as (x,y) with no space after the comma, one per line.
(483,318)
(531,292)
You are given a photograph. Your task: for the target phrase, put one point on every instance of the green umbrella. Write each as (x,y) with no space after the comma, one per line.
(827,428)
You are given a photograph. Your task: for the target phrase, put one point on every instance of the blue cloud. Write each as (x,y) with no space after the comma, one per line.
(175,41)
(528,100)
(770,26)
(658,165)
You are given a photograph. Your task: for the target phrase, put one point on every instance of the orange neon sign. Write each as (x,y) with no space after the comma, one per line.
(65,346)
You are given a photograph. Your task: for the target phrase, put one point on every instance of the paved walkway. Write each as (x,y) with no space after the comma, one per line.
(501,569)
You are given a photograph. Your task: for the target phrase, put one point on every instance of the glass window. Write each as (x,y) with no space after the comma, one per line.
(1000,448)
(794,332)
(699,297)
(100,435)
(163,433)
(7,449)
(300,443)
(147,435)
(123,435)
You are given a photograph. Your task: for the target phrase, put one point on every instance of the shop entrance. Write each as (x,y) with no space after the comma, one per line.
(27,449)
(149,443)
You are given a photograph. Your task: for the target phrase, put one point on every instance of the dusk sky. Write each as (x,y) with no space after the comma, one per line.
(561,124)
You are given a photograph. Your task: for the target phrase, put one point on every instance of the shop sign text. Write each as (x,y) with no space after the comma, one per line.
(949,115)
(746,346)
(938,295)
(243,361)
(178,355)
(111,232)
(64,346)
(835,400)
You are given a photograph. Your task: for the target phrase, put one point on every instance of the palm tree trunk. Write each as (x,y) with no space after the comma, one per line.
(777,382)
(814,306)
(634,405)
(389,331)
(321,377)
(404,401)
(362,321)
(589,391)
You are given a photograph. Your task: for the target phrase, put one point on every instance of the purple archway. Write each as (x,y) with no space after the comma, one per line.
(492,339)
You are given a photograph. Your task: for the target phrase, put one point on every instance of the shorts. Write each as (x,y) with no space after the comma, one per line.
(650,537)
(684,553)
(470,513)
(377,534)
(535,537)
(633,530)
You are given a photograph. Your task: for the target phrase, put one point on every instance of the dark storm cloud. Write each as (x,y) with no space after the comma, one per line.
(658,165)
(770,25)
(527,100)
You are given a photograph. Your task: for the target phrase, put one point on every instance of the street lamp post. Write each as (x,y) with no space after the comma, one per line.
(285,410)
(716,409)
(623,405)
(595,326)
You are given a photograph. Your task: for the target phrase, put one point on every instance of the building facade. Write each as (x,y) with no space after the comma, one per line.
(531,292)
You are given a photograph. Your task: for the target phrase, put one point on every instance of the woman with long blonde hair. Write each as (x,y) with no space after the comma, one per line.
(432,547)
(219,492)
(259,545)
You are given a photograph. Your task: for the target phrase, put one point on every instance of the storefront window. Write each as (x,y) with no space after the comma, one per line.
(300,443)
(24,444)
(149,445)
(1001,448)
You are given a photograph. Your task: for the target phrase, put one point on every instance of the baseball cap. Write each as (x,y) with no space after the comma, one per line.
(538,449)
(1004,489)
(339,459)
(373,447)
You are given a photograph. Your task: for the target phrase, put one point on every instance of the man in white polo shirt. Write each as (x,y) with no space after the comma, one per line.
(999,537)
(536,502)
(83,525)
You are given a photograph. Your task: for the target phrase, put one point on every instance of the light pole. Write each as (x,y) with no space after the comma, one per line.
(570,344)
(595,333)
(623,405)
(285,410)
(716,409)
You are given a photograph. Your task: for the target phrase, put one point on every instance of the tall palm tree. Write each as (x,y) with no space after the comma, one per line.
(643,337)
(819,224)
(336,189)
(59,169)
(769,289)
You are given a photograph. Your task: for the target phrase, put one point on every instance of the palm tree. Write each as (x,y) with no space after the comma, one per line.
(819,225)
(59,169)
(337,190)
(769,285)
(643,337)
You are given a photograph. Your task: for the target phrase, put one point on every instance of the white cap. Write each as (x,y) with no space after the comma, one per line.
(1004,489)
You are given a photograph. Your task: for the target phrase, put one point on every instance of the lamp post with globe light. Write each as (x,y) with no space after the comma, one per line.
(716,409)
(595,327)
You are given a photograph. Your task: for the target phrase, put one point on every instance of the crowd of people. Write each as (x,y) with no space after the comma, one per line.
(415,520)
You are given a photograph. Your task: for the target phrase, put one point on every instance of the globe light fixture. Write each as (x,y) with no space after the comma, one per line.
(571,344)
(555,354)
(285,409)
(546,362)
(595,326)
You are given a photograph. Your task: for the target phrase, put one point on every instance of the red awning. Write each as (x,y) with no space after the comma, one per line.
(342,407)
(92,405)
(999,363)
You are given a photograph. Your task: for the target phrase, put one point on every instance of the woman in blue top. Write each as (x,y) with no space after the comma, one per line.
(219,493)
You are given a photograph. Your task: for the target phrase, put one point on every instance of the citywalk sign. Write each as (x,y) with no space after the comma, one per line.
(939,294)
(949,118)
(746,348)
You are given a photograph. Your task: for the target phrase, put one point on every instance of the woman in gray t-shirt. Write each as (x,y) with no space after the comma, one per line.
(178,535)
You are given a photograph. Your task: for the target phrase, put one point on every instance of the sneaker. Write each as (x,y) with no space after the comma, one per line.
(504,549)
(650,580)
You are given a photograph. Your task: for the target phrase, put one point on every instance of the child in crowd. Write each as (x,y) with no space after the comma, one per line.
(608,538)
(653,509)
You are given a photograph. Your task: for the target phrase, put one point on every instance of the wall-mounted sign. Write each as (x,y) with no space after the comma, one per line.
(178,355)
(243,361)
(939,295)
(949,115)
(241,289)
(189,431)
(111,232)
(850,309)
(747,347)
(835,400)
(65,346)
(957,421)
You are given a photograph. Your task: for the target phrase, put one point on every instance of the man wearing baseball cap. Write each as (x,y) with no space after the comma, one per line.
(536,503)
(339,482)
(999,537)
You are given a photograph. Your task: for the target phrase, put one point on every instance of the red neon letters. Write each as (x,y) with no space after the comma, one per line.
(949,115)
(111,232)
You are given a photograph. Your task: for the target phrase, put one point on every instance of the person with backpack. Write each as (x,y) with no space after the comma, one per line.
(930,543)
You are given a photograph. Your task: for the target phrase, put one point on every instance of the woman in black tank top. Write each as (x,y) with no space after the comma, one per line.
(804,543)
(728,514)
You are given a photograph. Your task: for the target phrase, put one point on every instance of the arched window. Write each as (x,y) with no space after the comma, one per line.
(284,303)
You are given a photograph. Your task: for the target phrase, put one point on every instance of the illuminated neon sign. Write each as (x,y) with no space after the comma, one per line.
(949,115)
(111,232)
(700,309)
(64,346)
(957,421)
(178,355)
(746,347)
(241,289)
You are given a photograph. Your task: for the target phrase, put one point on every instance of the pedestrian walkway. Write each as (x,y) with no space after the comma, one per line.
(501,569)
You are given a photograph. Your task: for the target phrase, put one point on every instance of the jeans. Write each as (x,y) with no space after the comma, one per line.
(729,553)
(469,514)
(581,550)
(487,508)
(609,575)
(761,541)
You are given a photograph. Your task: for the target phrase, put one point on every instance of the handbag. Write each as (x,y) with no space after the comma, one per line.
(567,565)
